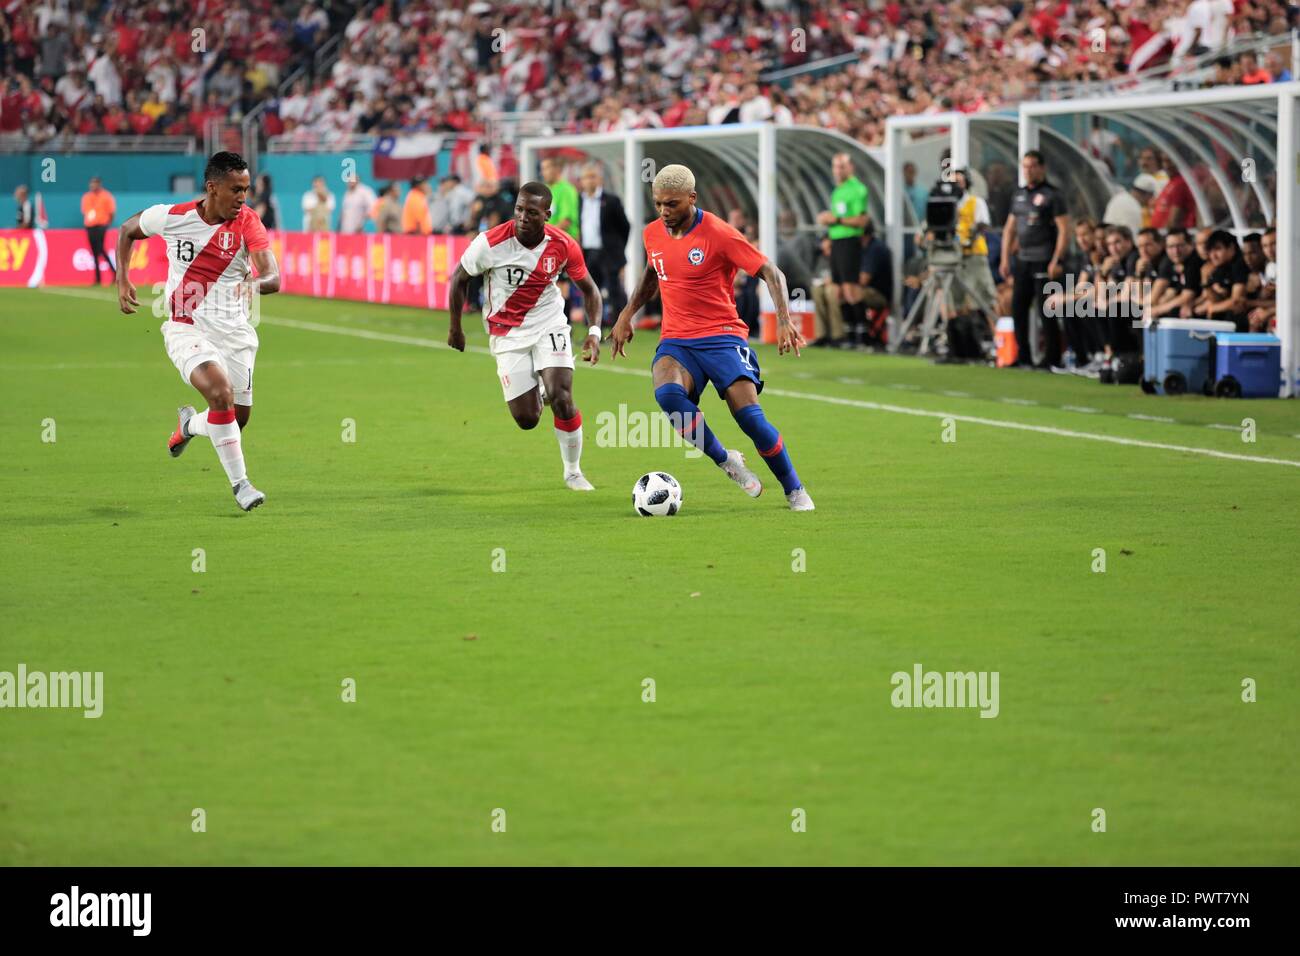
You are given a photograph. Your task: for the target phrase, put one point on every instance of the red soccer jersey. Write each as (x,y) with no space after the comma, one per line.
(696,276)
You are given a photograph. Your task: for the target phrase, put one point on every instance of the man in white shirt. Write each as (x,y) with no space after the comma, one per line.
(1125,208)
(1211,18)
(72,89)
(108,84)
(756,108)
(317,207)
(358,200)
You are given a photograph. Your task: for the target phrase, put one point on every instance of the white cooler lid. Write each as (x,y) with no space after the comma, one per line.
(1197,325)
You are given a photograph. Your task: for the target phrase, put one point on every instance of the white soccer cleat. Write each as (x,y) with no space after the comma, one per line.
(800,500)
(735,469)
(180,437)
(247,496)
(577,482)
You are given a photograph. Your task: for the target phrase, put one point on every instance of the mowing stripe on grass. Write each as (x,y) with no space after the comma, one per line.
(807,396)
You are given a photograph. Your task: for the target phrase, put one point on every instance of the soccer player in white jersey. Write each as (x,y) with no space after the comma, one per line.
(528,332)
(212,245)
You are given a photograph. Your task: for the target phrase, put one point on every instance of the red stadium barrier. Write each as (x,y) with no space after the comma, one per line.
(395,270)
(390,269)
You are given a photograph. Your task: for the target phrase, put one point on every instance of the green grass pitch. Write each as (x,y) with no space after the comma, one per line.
(522,690)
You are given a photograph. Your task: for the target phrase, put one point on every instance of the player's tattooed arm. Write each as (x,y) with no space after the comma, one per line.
(787,336)
(646,289)
(456,305)
(594,306)
(268,272)
(126,237)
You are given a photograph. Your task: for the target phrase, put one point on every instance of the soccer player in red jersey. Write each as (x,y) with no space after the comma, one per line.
(692,257)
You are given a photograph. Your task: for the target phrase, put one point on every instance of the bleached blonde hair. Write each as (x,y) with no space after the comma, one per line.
(675,178)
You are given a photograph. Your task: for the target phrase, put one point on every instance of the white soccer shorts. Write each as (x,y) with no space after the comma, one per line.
(520,361)
(188,348)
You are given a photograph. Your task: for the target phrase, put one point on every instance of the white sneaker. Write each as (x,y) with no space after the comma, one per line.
(799,500)
(247,496)
(577,482)
(735,469)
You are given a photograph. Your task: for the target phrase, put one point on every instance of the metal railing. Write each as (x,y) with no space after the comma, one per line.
(814,69)
(304,141)
(100,143)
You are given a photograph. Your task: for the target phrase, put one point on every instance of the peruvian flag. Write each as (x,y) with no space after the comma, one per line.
(403,157)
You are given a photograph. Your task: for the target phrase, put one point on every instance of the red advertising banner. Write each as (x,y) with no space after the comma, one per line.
(361,267)
(35,257)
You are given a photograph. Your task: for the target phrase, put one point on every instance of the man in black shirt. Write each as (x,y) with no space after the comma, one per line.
(1117,269)
(1224,295)
(1178,281)
(1151,256)
(1037,231)
(877,281)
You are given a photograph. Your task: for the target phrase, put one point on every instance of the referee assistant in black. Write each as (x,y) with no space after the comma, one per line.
(1037,232)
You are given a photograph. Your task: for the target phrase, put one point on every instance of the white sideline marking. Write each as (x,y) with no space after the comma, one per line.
(907,388)
(845,380)
(1018,401)
(1226,428)
(1080,408)
(953,393)
(1151,418)
(784,393)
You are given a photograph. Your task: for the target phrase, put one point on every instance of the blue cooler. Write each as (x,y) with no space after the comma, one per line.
(1176,354)
(1246,365)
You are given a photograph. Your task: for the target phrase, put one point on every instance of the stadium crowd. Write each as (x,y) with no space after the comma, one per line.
(137,67)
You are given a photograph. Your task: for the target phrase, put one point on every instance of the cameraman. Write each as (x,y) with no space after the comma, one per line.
(976,273)
(1037,230)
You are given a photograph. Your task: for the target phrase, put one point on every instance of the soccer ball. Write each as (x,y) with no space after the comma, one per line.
(657,495)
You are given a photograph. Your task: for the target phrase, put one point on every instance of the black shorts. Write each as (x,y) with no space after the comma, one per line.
(846,259)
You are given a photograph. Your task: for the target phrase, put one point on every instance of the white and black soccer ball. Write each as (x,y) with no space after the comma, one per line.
(657,495)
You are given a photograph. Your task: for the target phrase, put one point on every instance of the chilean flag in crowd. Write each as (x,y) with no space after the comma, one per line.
(404,157)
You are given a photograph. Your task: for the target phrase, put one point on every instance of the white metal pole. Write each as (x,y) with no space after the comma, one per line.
(1028,124)
(894,207)
(633,204)
(767,190)
(1288,238)
(526,161)
(960,137)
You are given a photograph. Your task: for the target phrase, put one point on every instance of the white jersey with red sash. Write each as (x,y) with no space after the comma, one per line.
(206,265)
(522,300)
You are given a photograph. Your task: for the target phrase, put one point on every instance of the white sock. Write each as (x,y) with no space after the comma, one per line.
(198,424)
(225,439)
(568,432)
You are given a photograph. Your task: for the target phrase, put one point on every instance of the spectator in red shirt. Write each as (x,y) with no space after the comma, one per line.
(128,41)
(1043,23)
(1251,72)
(11,109)
(1174,207)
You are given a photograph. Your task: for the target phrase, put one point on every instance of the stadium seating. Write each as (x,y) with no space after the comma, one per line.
(132,69)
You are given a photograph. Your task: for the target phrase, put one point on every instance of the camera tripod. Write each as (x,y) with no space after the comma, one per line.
(939,289)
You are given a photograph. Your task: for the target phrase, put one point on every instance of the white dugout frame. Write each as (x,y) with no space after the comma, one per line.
(1163,110)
